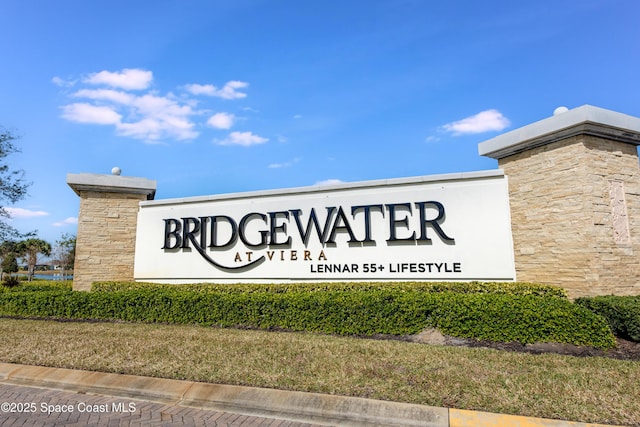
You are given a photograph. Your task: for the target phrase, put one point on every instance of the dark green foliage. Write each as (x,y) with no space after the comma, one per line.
(9,263)
(41,286)
(345,309)
(527,319)
(11,282)
(508,288)
(622,313)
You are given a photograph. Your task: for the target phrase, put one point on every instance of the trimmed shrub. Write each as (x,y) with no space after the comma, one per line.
(622,313)
(523,318)
(508,288)
(395,310)
(41,285)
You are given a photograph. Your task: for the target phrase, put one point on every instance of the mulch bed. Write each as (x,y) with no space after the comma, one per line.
(624,350)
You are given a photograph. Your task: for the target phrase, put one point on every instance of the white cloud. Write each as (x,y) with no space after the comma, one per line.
(24,213)
(329,182)
(244,139)
(146,129)
(129,78)
(88,113)
(229,91)
(283,165)
(105,95)
(431,139)
(161,108)
(221,120)
(148,115)
(297,116)
(69,221)
(196,89)
(58,81)
(154,129)
(485,121)
(160,117)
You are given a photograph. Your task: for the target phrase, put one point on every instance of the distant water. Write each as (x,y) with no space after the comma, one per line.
(53,276)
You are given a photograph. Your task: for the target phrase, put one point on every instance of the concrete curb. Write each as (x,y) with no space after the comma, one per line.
(291,405)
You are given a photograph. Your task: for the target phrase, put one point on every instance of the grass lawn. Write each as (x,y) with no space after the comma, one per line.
(592,389)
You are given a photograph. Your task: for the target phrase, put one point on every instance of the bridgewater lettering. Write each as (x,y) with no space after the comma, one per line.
(258,230)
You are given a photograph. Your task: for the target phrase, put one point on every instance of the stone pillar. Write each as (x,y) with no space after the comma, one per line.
(574,193)
(106,239)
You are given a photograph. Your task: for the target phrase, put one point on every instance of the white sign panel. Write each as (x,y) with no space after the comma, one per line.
(445,227)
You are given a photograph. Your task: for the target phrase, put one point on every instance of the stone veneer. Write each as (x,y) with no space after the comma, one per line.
(106,239)
(575,206)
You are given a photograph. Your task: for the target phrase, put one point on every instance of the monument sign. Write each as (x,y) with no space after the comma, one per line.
(563,208)
(444,227)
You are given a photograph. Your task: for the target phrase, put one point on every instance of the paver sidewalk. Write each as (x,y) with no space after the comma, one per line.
(31,406)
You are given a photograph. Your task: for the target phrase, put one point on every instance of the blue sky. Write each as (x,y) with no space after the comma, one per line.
(211,97)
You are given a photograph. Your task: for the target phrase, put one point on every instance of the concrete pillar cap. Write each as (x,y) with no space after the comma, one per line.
(582,120)
(111,184)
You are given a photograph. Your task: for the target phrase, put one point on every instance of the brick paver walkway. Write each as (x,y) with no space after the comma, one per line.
(37,407)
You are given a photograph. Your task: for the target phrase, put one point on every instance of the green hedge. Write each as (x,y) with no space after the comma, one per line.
(396,310)
(509,288)
(527,319)
(341,312)
(622,313)
(40,285)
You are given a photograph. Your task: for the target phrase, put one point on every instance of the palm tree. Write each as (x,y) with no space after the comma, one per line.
(30,249)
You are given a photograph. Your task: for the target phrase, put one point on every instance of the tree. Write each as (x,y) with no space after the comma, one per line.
(12,184)
(10,264)
(8,250)
(29,249)
(65,252)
